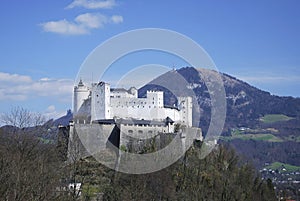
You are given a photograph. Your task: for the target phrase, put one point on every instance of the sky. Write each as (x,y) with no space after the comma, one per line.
(44,43)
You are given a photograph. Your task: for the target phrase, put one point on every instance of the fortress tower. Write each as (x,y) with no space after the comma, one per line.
(100,103)
(157,98)
(81,95)
(186,108)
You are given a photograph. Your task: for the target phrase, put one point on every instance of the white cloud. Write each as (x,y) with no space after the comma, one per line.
(82,24)
(90,20)
(64,27)
(22,87)
(52,113)
(116,19)
(92,4)
(50,108)
(15,78)
(45,79)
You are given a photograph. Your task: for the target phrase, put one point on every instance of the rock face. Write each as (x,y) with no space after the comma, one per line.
(245,103)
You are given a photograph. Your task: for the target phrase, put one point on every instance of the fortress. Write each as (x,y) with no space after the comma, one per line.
(99,102)
(105,116)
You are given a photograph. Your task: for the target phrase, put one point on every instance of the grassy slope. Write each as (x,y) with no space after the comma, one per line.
(272,118)
(260,137)
(279,166)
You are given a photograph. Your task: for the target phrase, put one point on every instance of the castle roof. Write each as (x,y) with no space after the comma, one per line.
(118,90)
(135,121)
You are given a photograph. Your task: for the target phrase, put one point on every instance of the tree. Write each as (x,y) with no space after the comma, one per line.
(22,118)
(219,176)
(30,169)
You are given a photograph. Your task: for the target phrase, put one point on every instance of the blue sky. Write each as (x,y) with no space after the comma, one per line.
(43,43)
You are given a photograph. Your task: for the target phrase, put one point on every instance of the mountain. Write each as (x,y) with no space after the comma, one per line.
(264,128)
(245,104)
(64,120)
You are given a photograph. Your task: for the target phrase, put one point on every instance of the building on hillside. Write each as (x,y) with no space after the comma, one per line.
(104,116)
(99,102)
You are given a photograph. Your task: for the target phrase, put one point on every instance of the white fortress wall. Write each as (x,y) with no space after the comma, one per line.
(141,108)
(123,93)
(174,114)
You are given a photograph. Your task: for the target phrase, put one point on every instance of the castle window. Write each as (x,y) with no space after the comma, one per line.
(130,131)
(153,102)
(140,131)
(149,106)
(150,132)
(97,95)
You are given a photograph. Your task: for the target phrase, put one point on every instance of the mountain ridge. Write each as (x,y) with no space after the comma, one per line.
(246,104)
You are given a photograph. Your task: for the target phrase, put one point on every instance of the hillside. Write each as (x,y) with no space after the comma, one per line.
(264,128)
(245,103)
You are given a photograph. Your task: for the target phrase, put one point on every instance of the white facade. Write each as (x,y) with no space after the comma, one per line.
(101,102)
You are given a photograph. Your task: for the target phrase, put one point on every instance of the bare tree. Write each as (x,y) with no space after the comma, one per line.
(29,168)
(21,118)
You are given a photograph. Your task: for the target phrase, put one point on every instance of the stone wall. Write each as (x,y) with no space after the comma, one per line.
(91,139)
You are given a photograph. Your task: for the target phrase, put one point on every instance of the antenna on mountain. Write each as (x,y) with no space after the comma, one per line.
(173,67)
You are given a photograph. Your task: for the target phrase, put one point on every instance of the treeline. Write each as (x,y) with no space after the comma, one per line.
(32,169)
(261,152)
(30,165)
(216,177)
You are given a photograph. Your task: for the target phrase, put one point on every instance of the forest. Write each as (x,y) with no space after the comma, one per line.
(32,168)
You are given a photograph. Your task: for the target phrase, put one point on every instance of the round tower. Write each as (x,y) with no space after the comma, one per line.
(81,94)
(133,91)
